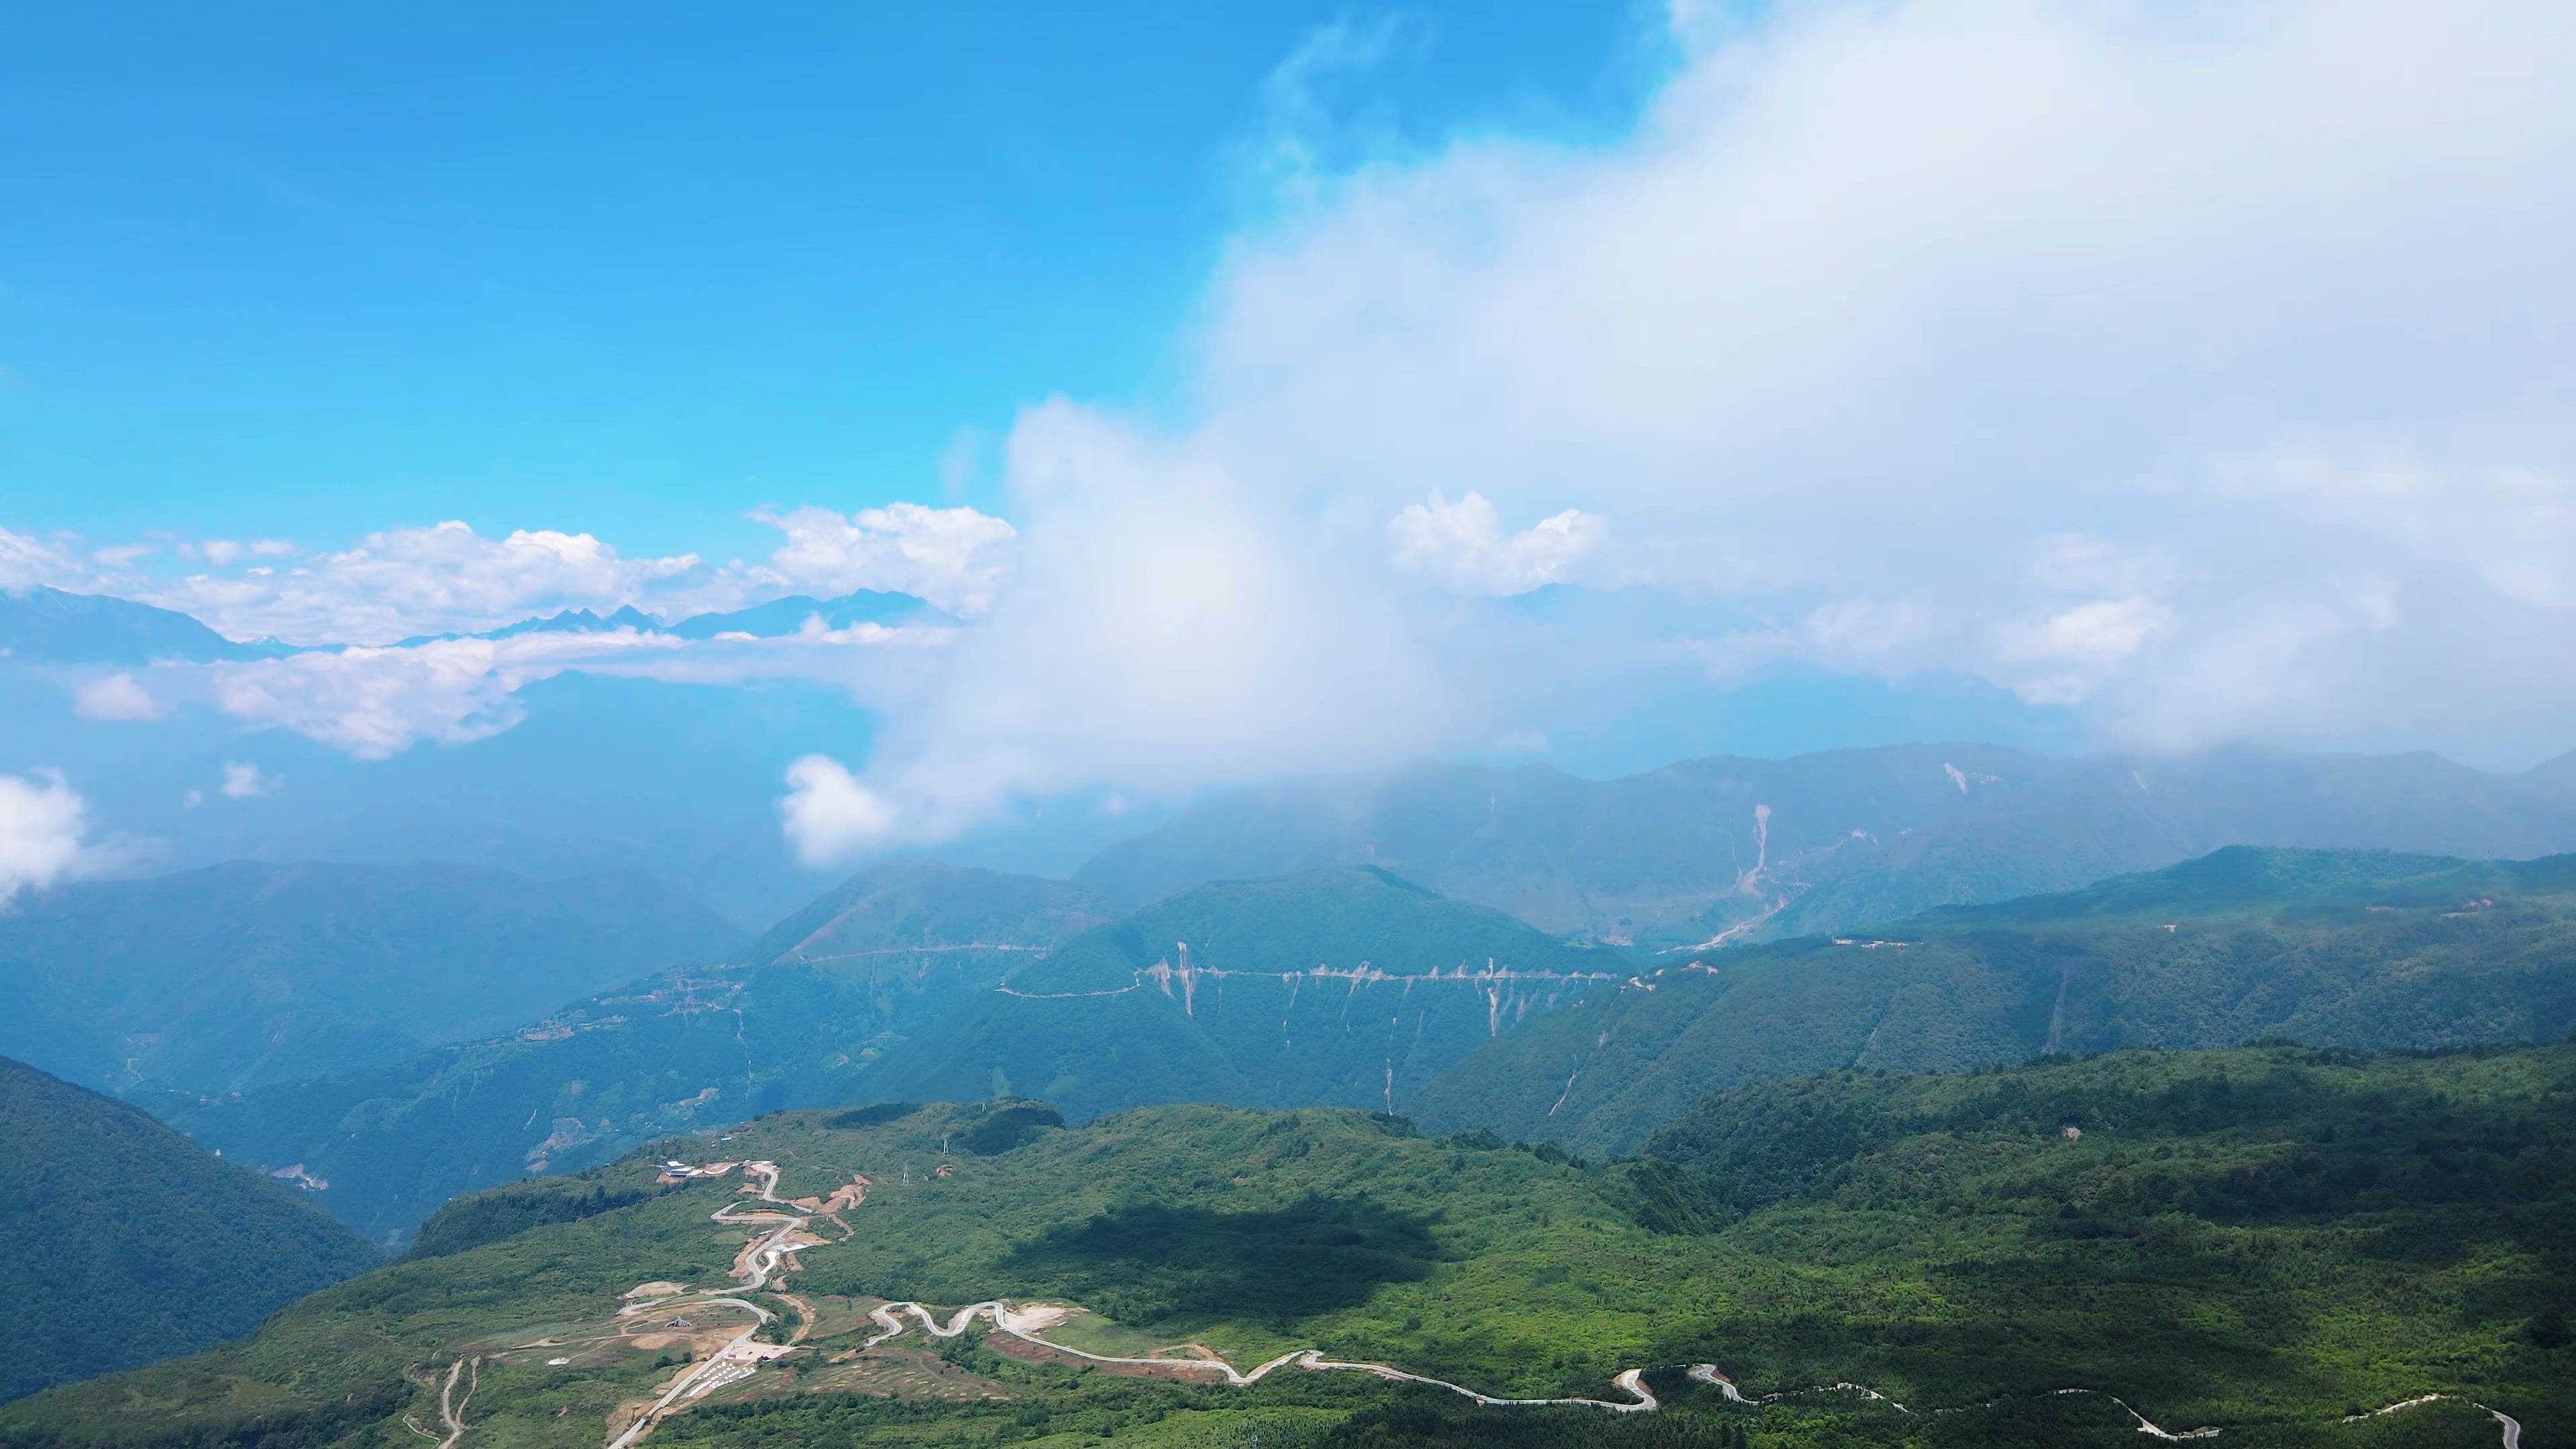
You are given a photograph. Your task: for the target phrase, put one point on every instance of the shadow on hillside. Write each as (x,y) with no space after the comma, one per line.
(1147,1263)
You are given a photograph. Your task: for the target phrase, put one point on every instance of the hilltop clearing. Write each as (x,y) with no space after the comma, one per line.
(2336,948)
(123,1243)
(1857,1259)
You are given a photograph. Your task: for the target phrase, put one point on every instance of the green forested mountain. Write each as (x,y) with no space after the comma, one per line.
(2260,1241)
(2331,948)
(789,1023)
(1748,849)
(1339,987)
(1352,987)
(235,976)
(121,1243)
(904,906)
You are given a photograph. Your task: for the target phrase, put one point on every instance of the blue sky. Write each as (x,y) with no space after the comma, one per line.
(2159,376)
(310,271)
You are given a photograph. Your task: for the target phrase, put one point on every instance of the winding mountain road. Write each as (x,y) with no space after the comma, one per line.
(1027,1323)
(767,1257)
(1707,1373)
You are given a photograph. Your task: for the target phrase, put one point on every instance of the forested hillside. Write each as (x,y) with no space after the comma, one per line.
(790,1023)
(128,1244)
(236,976)
(1353,987)
(2260,1241)
(2330,948)
(1751,849)
(1338,987)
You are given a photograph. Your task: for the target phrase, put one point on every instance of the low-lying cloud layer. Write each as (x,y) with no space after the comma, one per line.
(2204,369)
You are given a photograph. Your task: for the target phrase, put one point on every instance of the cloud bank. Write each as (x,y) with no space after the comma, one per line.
(2201,367)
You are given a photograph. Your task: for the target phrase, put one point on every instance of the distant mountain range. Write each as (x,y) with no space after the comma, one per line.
(212,981)
(775,619)
(1350,986)
(48,626)
(128,1244)
(1730,850)
(51,626)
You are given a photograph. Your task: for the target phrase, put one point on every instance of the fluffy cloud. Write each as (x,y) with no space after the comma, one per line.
(1165,625)
(375,703)
(1886,302)
(827,814)
(951,556)
(2202,366)
(1463,545)
(223,552)
(118,696)
(409,581)
(42,821)
(245,782)
(26,562)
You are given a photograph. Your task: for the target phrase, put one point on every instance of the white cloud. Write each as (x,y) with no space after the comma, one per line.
(1462,544)
(1163,626)
(42,821)
(828,815)
(2072,651)
(117,696)
(2205,367)
(1929,301)
(2181,361)
(374,703)
(951,556)
(406,581)
(245,782)
(26,562)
